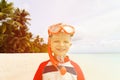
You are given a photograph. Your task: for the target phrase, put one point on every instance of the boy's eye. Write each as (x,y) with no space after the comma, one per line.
(56,41)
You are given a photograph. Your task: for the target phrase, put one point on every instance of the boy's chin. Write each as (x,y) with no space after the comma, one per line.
(62,55)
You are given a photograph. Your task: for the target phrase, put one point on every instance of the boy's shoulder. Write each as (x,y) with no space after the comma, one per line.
(73,62)
(45,62)
(78,70)
(38,74)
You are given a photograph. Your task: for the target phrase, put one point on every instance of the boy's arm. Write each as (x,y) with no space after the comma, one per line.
(38,74)
(80,75)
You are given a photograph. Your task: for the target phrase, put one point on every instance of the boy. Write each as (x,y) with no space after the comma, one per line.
(59,67)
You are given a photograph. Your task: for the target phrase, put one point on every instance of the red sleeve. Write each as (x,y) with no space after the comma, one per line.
(80,75)
(38,74)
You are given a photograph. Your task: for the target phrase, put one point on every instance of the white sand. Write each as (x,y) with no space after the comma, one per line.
(94,66)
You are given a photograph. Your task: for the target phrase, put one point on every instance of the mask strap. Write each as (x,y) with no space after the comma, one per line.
(54,62)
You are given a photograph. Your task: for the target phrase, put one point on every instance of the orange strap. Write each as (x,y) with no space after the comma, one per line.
(80,75)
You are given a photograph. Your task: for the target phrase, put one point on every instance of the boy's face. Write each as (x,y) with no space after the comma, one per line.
(60,43)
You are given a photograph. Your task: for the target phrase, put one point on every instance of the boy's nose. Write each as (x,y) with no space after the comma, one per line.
(61,44)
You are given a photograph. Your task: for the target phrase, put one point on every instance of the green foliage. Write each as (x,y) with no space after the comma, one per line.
(14,34)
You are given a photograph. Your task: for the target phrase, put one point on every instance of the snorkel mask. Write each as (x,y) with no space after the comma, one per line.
(55,29)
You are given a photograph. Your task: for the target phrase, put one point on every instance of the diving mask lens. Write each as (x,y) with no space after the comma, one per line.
(54,29)
(69,29)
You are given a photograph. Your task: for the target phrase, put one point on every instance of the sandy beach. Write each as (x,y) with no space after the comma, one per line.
(94,66)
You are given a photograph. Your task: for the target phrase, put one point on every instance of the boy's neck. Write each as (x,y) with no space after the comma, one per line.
(62,59)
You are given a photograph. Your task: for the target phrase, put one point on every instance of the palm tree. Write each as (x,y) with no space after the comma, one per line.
(6,11)
(21,38)
(14,34)
(13,28)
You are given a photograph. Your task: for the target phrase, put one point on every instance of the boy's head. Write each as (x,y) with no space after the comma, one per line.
(60,43)
(59,40)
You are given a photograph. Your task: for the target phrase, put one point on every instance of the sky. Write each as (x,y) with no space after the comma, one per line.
(97,22)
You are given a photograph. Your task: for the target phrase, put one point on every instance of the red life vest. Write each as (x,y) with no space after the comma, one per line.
(38,74)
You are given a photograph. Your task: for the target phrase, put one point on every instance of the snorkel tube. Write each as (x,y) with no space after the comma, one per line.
(54,62)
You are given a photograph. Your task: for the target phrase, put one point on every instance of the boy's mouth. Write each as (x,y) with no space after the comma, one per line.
(61,50)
